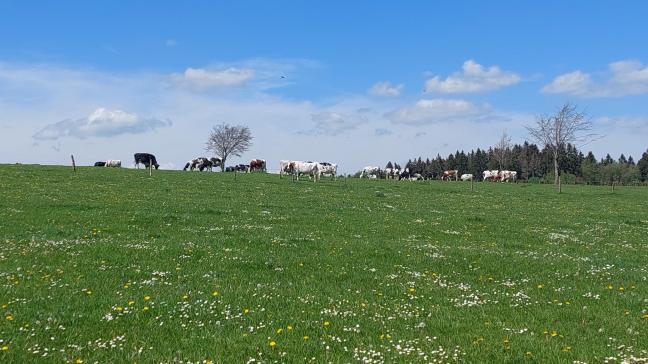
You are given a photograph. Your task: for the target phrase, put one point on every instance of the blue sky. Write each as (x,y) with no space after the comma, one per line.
(357,82)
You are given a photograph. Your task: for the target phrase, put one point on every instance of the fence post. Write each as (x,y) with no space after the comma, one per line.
(73,164)
(150,169)
(471,185)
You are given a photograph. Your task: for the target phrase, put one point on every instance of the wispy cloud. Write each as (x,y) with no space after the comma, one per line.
(473,78)
(100,123)
(171,43)
(201,79)
(429,111)
(623,78)
(386,89)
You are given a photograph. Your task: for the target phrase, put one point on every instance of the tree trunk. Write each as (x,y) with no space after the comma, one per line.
(556,172)
(222,165)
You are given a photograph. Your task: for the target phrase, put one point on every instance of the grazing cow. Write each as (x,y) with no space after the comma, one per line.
(200,163)
(492,174)
(450,174)
(216,162)
(113,163)
(284,166)
(466,177)
(308,168)
(506,176)
(99,164)
(258,164)
(369,171)
(405,174)
(230,169)
(146,159)
(328,168)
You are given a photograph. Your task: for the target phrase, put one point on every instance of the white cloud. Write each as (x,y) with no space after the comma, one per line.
(201,79)
(429,111)
(623,78)
(386,89)
(171,42)
(334,123)
(473,78)
(100,123)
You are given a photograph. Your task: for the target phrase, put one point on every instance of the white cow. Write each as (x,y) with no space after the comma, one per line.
(492,174)
(466,177)
(392,173)
(309,168)
(284,166)
(369,171)
(506,176)
(113,163)
(328,168)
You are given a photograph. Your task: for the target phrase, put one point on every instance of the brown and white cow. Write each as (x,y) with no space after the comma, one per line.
(450,174)
(506,176)
(258,164)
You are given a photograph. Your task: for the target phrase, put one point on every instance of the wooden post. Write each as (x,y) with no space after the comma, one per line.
(150,169)
(559,184)
(73,164)
(471,184)
(235,175)
(613,183)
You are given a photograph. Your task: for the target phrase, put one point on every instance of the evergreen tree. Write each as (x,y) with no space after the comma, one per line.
(642,165)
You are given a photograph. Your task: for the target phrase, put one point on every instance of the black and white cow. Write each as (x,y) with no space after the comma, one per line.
(200,163)
(146,159)
(100,164)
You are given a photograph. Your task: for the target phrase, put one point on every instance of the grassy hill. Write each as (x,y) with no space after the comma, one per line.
(112,265)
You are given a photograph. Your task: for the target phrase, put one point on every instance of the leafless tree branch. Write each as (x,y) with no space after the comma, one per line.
(226,140)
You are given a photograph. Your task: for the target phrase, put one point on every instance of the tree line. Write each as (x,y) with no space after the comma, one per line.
(535,164)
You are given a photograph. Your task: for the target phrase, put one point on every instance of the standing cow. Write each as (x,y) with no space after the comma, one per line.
(100,164)
(450,174)
(328,168)
(146,159)
(466,177)
(369,171)
(258,165)
(113,163)
(492,175)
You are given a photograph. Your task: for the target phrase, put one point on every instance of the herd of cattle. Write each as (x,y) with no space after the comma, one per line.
(314,170)
(452,174)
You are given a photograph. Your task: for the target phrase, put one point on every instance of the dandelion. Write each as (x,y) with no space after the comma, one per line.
(215,293)
(279,330)
(146,308)
(326,323)
(5,348)
(9,317)
(119,309)
(566,349)
(147,298)
(529,354)
(610,286)
(645,315)
(273,344)
(88,292)
(540,286)
(126,285)
(246,311)
(554,333)
(289,328)
(621,289)
(412,290)
(306,337)
(185,297)
(131,302)
(78,361)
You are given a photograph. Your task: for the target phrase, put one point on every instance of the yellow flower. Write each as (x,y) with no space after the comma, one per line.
(412,290)
(78,361)
(610,286)
(621,289)
(146,298)
(279,331)
(326,323)
(567,303)
(131,302)
(545,332)
(88,292)
(5,348)
(645,315)
(566,349)
(126,285)
(246,311)
(215,293)
(540,286)
(146,308)
(289,328)
(529,354)
(554,333)
(273,344)
(306,337)
(208,362)
(9,317)
(119,309)
(627,312)
(185,297)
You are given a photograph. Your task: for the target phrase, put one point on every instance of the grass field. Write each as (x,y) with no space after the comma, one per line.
(110,265)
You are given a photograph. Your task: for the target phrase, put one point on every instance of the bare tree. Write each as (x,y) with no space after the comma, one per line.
(567,125)
(502,150)
(226,140)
